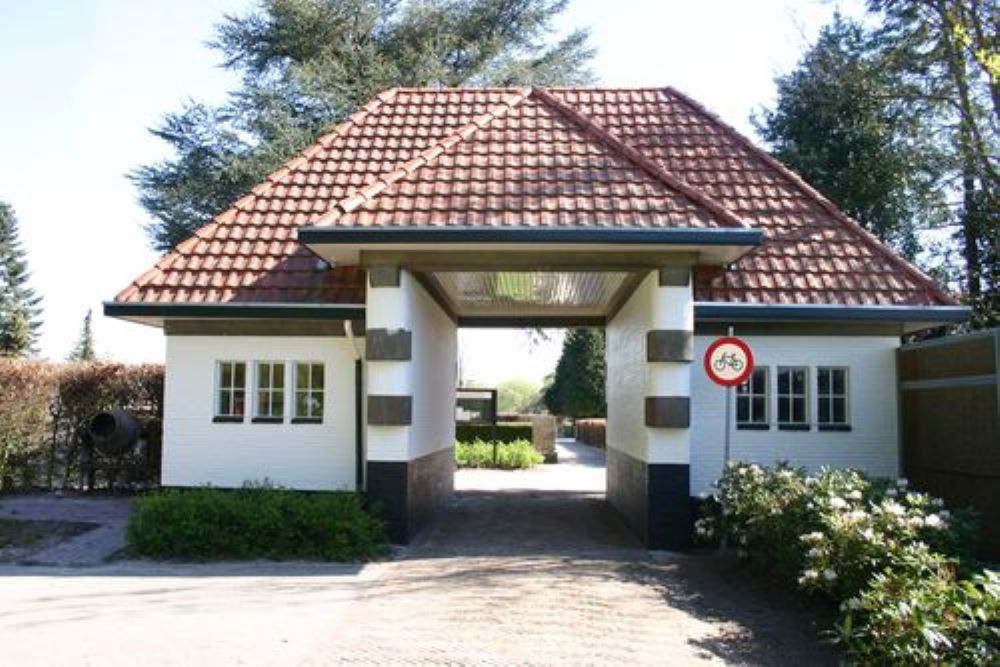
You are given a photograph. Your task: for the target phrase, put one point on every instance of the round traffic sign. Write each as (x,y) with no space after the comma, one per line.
(728,361)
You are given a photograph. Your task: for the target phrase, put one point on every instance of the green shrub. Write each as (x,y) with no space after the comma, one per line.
(520,454)
(505,432)
(256,521)
(890,555)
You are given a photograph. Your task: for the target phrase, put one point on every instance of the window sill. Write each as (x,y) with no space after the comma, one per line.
(842,428)
(267,420)
(227,420)
(307,420)
(794,427)
(753,427)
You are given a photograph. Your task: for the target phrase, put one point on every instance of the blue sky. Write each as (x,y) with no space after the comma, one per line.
(82,80)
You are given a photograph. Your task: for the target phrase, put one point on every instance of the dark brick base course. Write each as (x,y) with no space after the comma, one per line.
(408,493)
(653,498)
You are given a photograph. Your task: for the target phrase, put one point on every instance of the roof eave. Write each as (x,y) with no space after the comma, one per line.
(917,317)
(154,314)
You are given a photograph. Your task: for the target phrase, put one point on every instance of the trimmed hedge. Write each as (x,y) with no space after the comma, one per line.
(505,432)
(256,521)
(592,431)
(517,455)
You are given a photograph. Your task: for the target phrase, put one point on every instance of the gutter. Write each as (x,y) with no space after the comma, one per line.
(529,235)
(753,312)
(294,311)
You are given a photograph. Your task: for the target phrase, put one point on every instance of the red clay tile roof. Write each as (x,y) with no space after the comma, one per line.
(535,157)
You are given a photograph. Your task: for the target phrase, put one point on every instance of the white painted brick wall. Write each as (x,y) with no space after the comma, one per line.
(871,445)
(197,451)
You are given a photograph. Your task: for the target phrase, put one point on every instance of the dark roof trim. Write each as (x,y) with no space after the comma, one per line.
(354,235)
(828,313)
(291,311)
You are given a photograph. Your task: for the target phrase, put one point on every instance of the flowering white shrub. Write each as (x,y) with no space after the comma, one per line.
(853,539)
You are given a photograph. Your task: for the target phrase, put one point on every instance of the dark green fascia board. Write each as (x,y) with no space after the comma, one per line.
(351,235)
(292,311)
(752,312)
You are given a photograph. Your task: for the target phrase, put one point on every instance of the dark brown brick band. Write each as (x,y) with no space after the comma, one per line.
(385,345)
(675,276)
(668,411)
(383,276)
(669,345)
(390,410)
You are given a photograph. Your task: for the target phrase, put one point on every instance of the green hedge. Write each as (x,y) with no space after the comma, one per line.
(505,432)
(520,454)
(253,522)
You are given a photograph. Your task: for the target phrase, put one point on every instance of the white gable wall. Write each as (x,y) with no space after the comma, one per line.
(872,443)
(197,451)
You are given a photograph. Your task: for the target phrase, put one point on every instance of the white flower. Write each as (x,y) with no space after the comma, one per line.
(838,503)
(850,604)
(815,552)
(890,492)
(944,514)
(808,575)
(894,508)
(933,521)
(854,495)
(811,481)
(902,482)
(815,536)
(829,574)
(868,534)
(856,515)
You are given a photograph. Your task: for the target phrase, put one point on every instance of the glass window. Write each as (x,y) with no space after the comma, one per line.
(230,378)
(793,396)
(751,401)
(309,390)
(270,390)
(831,390)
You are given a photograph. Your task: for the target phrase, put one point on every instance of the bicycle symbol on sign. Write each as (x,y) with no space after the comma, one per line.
(728,360)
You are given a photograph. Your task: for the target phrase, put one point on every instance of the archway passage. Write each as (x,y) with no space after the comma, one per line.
(417,297)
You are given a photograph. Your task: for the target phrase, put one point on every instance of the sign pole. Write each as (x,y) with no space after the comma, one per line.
(728,425)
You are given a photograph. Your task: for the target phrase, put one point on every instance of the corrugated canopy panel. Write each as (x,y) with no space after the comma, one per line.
(513,293)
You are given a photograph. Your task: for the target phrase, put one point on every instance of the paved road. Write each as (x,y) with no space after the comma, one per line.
(535,576)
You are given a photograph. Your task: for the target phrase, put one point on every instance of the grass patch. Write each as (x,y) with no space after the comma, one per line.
(254,522)
(517,455)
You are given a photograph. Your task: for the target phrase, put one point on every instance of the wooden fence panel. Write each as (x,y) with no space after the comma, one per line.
(950,424)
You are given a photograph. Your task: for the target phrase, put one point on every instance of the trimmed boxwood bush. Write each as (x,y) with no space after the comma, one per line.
(256,521)
(520,454)
(505,432)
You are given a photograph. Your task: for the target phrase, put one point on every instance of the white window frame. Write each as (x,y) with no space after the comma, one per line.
(831,425)
(270,416)
(790,397)
(749,396)
(310,391)
(228,415)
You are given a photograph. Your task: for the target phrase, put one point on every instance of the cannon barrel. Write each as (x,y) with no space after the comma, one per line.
(114,432)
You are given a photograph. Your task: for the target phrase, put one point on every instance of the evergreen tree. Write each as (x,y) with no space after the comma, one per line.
(577,389)
(84,348)
(841,121)
(307,64)
(20,309)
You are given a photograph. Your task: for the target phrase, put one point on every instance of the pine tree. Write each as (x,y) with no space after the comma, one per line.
(20,311)
(84,348)
(307,64)
(577,389)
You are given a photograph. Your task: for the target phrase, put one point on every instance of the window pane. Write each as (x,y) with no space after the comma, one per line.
(301,404)
(226,375)
(239,375)
(823,381)
(759,411)
(742,409)
(824,411)
(302,376)
(278,373)
(224,406)
(317,376)
(316,405)
(783,410)
(783,382)
(799,381)
(798,410)
(239,397)
(839,384)
(263,375)
(262,404)
(743,389)
(277,404)
(840,410)
(760,381)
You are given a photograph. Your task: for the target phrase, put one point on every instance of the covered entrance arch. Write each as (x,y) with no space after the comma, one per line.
(424,284)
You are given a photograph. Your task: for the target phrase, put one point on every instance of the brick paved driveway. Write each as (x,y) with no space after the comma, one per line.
(544,577)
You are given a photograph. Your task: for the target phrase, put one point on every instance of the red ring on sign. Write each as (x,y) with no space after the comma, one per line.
(739,379)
